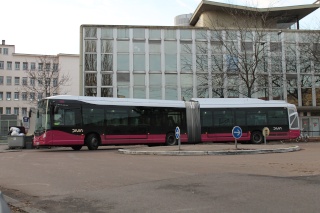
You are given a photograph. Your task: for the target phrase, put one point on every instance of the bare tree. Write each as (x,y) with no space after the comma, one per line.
(45,80)
(238,50)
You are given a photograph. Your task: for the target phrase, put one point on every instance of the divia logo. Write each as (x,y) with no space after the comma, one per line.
(77,130)
(277,128)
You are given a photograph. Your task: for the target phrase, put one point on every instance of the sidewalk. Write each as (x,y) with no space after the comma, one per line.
(212,149)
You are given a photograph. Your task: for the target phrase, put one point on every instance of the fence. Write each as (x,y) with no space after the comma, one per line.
(5,124)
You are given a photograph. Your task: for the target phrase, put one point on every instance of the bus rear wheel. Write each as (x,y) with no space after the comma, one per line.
(92,142)
(76,148)
(256,137)
(171,139)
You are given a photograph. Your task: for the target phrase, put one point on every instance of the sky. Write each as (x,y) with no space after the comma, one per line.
(53,26)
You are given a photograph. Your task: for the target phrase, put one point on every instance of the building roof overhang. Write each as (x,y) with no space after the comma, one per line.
(288,14)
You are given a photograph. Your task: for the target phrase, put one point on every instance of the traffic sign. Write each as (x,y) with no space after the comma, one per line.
(237,132)
(265,131)
(177,132)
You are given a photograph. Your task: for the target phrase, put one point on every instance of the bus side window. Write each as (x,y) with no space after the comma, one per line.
(171,122)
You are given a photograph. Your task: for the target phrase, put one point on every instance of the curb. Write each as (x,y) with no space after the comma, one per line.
(201,153)
(21,205)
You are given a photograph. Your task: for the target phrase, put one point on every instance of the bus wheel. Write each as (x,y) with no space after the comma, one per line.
(171,139)
(76,148)
(256,137)
(92,142)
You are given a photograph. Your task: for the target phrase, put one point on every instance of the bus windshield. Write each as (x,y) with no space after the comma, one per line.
(43,117)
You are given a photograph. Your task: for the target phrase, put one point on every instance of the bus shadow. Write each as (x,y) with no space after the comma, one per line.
(84,149)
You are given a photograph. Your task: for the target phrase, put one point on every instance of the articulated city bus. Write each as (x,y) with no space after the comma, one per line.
(77,121)
(219,116)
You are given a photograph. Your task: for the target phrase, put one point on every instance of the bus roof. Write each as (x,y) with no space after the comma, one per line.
(239,103)
(120,101)
(204,102)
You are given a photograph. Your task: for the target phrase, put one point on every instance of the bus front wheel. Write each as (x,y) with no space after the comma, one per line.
(92,142)
(256,137)
(171,139)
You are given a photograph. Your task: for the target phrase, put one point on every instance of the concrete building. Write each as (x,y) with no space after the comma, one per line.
(13,75)
(166,62)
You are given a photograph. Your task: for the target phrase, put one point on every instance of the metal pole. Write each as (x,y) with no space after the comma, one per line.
(179,142)
(236,143)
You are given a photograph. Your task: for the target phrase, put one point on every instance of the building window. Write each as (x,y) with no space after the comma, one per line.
(24,111)
(107,79)
(1,110)
(9,65)
(32,81)
(24,96)
(90,62)
(40,95)
(155,62)
(25,66)
(1,65)
(5,51)
(90,32)
(47,82)
(123,33)
(170,34)
(48,65)
(9,80)
(16,96)
(40,66)
(123,62)
(106,62)
(55,67)
(155,34)
(123,92)
(24,81)
(106,33)
(123,79)
(8,96)
(55,82)
(16,80)
(8,110)
(123,46)
(138,62)
(32,95)
(91,79)
(1,96)
(33,66)
(186,34)
(1,80)
(138,33)
(17,65)
(16,110)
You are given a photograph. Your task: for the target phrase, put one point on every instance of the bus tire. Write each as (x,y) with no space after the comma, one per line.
(76,148)
(256,137)
(171,139)
(92,142)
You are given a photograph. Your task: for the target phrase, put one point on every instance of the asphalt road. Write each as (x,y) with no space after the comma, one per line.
(62,180)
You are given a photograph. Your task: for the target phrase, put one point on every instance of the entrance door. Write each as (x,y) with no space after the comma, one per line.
(305,126)
(315,127)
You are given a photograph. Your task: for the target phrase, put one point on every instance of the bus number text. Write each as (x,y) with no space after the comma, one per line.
(77,130)
(277,128)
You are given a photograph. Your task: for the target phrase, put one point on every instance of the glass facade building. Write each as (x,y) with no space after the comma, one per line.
(179,63)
